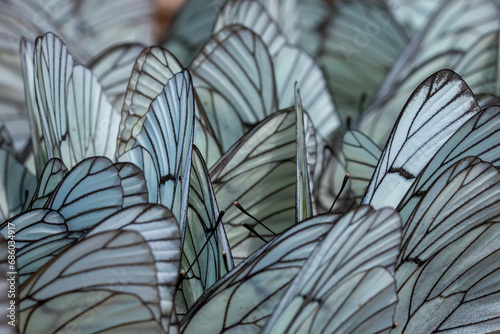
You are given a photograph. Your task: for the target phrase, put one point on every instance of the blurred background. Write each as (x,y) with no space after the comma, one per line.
(165,13)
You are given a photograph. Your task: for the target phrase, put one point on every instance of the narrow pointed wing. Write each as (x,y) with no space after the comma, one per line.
(303,199)
(205,242)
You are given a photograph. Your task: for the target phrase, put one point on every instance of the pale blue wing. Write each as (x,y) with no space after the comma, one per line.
(259,172)
(244,299)
(88,193)
(286,13)
(361,157)
(76,118)
(32,257)
(33,225)
(112,69)
(467,36)
(133,183)
(450,255)
(53,66)
(91,119)
(160,230)
(152,70)
(236,66)
(330,179)
(303,198)
(252,15)
(353,264)
(434,112)
(206,255)
(360,42)
(108,266)
(167,134)
(290,63)
(478,137)
(38,145)
(143,159)
(17,185)
(99,25)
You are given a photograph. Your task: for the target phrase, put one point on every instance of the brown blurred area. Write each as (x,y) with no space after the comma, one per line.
(166,10)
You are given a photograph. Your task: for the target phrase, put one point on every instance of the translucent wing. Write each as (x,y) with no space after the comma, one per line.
(449,259)
(257,284)
(33,225)
(286,14)
(236,66)
(90,192)
(5,139)
(347,284)
(290,63)
(52,174)
(361,157)
(76,119)
(33,256)
(477,137)
(40,234)
(16,22)
(112,69)
(17,185)
(160,230)
(92,120)
(133,182)
(109,270)
(260,173)
(152,70)
(205,240)
(302,188)
(436,110)
(467,35)
(360,42)
(167,134)
(143,159)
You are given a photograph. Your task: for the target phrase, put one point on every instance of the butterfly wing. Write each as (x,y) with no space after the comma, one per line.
(436,110)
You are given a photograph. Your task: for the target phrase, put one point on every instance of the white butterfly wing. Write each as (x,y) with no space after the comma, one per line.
(244,299)
(449,255)
(353,264)
(167,134)
(205,240)
(159,229)
(436,110)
